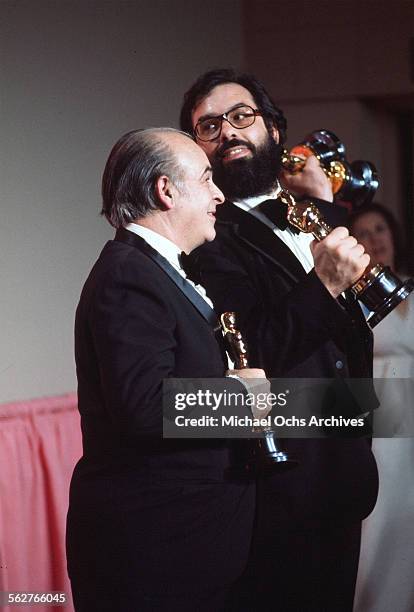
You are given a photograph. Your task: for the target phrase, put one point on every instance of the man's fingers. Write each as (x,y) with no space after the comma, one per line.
(339,260)
(247,373)
(336,236)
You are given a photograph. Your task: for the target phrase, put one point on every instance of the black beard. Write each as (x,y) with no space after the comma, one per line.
(247,176)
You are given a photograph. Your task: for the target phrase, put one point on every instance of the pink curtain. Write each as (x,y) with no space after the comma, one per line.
(40,442)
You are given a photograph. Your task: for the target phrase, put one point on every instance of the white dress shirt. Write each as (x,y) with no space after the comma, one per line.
(169,251)
(297,243)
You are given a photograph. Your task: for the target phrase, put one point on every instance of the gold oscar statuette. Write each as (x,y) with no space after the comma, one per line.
(379,289)
(265,454)
(354,182)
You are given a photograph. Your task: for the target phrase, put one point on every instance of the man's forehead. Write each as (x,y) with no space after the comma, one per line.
(221,99)
(189,154)
(181,144)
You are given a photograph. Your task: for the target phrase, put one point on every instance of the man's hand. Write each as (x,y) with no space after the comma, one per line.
(310,181)
(339,260)
(256,383)
(247,373)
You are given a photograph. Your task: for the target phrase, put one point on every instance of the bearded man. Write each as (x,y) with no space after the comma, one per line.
(286,290)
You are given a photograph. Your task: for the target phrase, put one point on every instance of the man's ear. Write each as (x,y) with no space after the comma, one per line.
(164,190)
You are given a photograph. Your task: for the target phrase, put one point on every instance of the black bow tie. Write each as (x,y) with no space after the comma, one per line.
(190,267)
(276,211)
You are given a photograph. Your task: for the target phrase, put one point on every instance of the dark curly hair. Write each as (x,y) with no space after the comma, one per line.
(272,115)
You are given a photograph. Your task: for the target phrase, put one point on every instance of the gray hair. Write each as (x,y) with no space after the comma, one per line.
(135,163)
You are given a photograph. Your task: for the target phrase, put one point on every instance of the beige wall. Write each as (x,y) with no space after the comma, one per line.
(75,75)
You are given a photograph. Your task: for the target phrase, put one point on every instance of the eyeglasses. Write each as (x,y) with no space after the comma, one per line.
(240,118)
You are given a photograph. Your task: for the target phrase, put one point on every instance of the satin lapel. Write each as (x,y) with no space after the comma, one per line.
(127,237)
(261,238)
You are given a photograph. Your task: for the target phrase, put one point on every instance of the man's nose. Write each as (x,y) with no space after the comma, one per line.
(228,131)
(218,195)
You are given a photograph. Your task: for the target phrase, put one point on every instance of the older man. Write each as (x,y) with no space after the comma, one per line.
(153,524)
(286,290)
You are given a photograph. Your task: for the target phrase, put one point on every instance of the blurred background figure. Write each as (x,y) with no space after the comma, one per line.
(377,229)
(385,580)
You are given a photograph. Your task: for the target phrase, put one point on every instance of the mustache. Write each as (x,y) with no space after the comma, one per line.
(234,143)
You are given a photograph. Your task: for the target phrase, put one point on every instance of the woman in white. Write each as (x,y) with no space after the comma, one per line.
(386,573)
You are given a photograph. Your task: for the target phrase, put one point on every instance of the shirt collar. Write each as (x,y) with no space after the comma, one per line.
(165,247)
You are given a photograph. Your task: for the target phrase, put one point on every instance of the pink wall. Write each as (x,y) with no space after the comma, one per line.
(40,442)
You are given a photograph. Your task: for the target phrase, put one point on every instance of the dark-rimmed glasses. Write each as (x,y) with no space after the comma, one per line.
(240,118)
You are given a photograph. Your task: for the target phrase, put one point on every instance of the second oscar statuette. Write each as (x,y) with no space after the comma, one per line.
(379,289)
(265,454)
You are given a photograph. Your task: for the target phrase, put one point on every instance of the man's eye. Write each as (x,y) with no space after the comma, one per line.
(209,126)
(242,118)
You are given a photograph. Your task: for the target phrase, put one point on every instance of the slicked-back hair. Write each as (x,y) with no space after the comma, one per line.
(272,115)
(134,164)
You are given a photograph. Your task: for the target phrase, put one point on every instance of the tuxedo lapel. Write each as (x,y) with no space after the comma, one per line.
(127,237)
(260,237)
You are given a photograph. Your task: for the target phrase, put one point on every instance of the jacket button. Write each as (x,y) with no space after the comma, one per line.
(339,364)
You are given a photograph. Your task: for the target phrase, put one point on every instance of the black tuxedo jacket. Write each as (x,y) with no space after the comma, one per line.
(294,328)
(148,515)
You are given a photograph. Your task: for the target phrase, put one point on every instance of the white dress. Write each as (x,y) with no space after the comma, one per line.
(386,572)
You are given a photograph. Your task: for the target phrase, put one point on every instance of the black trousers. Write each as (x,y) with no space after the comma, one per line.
(301,570)
(289,570)
(89,597)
